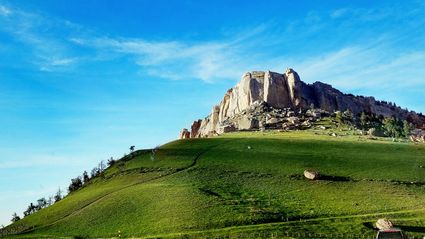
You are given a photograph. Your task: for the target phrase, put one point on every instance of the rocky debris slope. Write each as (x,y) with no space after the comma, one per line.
(418,135)
(264,100)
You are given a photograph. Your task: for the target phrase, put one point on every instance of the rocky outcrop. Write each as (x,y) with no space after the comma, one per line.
(261,92)
(184,134)
(196,125)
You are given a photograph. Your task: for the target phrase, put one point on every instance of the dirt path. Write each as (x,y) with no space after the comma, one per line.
(180,170)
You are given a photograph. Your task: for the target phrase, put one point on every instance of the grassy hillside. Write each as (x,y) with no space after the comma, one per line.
(246,185)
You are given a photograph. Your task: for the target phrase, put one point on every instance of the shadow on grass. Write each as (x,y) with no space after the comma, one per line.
(369,225)
(335,178)
(418,229)
(324,178)
(412,228)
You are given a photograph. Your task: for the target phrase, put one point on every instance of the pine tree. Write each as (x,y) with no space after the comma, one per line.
(58,195)
(406,128)
(338,117)
(86,177)
(15,217)
(363,120)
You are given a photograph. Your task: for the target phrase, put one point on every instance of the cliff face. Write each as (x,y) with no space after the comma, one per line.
(288,91)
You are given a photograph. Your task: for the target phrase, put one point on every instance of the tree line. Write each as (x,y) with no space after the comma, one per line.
(40,204)
(76,183)
(390,126)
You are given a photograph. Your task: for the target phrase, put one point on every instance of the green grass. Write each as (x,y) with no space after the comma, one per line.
(217,187)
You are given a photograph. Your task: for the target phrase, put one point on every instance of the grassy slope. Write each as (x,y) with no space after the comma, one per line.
(217,186)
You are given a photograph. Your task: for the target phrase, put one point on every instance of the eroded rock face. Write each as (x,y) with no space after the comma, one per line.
(196,125)
(281,91)
(184,134)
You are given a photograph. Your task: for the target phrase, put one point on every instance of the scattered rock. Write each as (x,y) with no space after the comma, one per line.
(418,135)
(293,120)
(272,121)
(290,113)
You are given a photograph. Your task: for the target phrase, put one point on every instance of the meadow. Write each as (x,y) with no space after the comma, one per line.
(246,184)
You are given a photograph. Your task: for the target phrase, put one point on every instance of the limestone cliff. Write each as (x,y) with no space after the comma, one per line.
(288,91)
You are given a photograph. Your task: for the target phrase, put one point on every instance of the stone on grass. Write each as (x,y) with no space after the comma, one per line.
(312,174)
(383,224)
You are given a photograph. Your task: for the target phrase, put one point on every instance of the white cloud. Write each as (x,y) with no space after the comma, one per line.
(172,59)
(362,67)
(46,50)
(4,11)
(62,61)
(338,13)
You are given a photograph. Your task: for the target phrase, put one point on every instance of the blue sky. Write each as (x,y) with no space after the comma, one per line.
(82,80)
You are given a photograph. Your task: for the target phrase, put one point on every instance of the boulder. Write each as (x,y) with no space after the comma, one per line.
(375,132)
(290,113)
(383,224)
(293,120)
(288,126)
(184,134)
(247,123)
(312,174)
(226,129)
(306,124)
(315,113)
(272,120)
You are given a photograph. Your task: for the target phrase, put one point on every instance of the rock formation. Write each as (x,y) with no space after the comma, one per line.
(184,134)
(279,96)
(196,125)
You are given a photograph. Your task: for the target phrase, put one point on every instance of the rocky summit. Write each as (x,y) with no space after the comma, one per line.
(270,100)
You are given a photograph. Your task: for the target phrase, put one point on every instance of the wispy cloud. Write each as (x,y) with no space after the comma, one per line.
(338,13)
(40,34)
(52,64)
(4,11)
(227,57)
(361,67)
(173,59)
